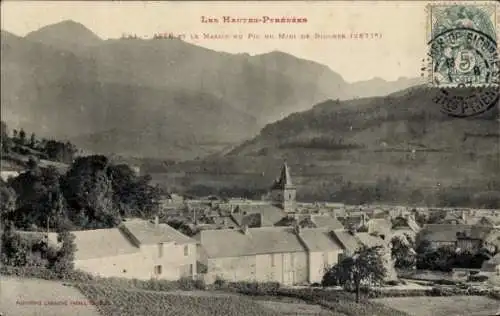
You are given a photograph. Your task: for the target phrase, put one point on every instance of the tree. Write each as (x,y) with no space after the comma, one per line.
(32,141)
(22,137)
(5,139)
(7,200)
(40,198)
(14,249)
(364,268)
(65,256)
(59,151)
(403,252)
(89,193)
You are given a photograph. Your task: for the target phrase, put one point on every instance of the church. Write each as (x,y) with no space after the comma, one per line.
(283,192)
(279,204)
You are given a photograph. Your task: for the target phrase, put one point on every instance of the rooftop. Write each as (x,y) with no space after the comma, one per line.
(263,240)
(146,232)
(99,243)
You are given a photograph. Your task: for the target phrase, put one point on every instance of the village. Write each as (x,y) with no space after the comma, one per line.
(277,239)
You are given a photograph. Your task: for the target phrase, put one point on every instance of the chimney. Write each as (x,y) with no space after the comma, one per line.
(157,221)
(244,229)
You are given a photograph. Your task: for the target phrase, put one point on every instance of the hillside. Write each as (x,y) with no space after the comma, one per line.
(64,81)
(398,149)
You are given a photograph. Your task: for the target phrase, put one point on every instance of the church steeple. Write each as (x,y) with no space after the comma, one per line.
(283,191)
(284,180)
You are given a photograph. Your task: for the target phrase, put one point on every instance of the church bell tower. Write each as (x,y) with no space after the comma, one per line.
(283,191)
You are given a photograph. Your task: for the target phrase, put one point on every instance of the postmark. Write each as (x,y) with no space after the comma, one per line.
(463,57)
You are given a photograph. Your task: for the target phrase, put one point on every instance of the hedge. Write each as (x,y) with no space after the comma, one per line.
(435,291)
(77,276)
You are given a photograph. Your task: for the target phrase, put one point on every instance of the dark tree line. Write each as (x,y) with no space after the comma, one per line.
(23,144)
(93,193)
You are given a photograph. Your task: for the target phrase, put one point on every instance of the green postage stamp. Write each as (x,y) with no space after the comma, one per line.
(462,40)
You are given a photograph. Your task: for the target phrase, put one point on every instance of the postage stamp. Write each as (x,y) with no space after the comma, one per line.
(463,58)
(462,42)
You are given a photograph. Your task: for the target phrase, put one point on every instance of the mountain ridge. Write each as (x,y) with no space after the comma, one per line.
(66,68)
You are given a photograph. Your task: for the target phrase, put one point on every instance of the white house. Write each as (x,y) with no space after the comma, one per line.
(137,249)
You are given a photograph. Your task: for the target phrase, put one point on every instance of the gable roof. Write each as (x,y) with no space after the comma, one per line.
(99,243)
(146,233)
(327,221)
(263,240)
(318,239)
(369,240)
(270,213)
(379,225)
(347,240)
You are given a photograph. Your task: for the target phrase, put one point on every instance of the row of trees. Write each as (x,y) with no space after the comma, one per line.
(445,258)
(49,149)
(93,193)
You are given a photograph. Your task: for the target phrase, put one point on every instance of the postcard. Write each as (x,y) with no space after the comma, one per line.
(250,158)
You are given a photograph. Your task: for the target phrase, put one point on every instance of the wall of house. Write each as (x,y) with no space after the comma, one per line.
(231,269)
(286,268)
(141,265)
(319,262)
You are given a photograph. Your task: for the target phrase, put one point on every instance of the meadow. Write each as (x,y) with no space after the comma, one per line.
(443,306)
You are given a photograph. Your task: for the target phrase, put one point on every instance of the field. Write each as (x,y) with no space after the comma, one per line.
(444,306)
(123,302)
(25,297)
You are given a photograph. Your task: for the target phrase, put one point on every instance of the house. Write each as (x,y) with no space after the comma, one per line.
(380,227)
(258,254)
(136,249)
(355,221)
(465,237)
(323,251)
(258,214)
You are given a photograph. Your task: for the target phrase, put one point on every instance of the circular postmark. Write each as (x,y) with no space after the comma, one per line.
(465,66)
(463,58)
(466,102)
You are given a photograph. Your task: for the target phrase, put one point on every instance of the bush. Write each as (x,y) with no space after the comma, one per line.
(200,284)
(445,282)
(186,284)
(220,283)
(477,278)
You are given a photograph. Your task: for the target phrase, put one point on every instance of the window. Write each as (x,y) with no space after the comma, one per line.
(160,250)
(186,250)
(157,270)
(273,260)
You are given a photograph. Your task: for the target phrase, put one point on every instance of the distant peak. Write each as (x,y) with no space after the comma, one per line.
(67,30)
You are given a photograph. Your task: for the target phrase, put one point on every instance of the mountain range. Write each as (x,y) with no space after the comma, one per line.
(157,98)
(399,148)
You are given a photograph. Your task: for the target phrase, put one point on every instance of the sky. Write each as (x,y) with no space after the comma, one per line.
(394,48)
